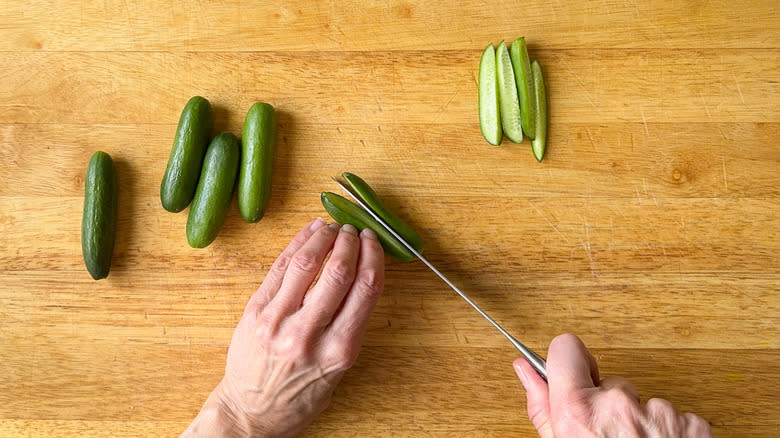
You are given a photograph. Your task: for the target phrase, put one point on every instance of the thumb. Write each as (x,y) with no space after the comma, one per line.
(570,366)
(537,395)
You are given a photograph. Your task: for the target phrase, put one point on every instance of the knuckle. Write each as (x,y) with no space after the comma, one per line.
(305,261)
(659,406)
(697,426)
(343,355)
(292,344)
(281,263)
(370,283)
(619,401)
(339,273)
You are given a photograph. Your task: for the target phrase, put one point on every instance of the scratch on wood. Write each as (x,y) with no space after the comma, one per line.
(739,90)
(725,180)
(588,95)
(548,221)
(706,108)
(590,137)
(588,249)
(644,121)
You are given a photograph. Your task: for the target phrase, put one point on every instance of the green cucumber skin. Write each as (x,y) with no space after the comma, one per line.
(539,143)
(344,211)
(508,101)
(369,196)
(215,190)
(189,147)
(98,224)
(258,139)
(488,97)
(525,87)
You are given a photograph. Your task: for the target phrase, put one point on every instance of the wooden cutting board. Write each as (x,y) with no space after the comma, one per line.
(650,229)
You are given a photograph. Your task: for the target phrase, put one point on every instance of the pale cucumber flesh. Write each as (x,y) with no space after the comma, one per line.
(489,117)
(539,143)
(508,102)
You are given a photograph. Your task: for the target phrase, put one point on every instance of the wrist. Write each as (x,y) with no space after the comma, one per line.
(217,419)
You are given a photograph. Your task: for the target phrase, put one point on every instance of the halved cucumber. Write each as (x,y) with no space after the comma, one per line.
(345,211)
(369,196)
(525,87)
(489,117)
(539,143)
(508,102)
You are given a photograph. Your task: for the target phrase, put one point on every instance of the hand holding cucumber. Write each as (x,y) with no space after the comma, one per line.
(294,342)
(345,211)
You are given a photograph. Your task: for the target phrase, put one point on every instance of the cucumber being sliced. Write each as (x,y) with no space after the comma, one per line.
(508,102)
(369,196)
(539,143)
(489,117)
(525,87)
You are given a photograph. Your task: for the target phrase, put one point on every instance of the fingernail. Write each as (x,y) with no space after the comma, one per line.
(349,228)
(334,226)
(316,224)
(368,233)
(521,374)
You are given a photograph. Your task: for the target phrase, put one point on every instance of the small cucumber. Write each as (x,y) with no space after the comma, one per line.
(525,87)
(214,191)
(344,211)
(184,163)
(489,117)
(508,102)
(539,143)
(258,140)
(98,224)
(369,196)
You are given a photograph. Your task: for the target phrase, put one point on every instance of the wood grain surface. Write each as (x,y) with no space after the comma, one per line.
(651,229)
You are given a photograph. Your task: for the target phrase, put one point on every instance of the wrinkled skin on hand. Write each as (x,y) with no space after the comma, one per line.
(297,336)
(576,403)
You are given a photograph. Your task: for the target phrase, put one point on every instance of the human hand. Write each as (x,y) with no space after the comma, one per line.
(576,403)
(295,340)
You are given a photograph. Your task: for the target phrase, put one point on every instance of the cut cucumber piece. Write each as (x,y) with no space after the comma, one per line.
(539,143)
(508,102)
(369,196)
(525,87)
(489,117)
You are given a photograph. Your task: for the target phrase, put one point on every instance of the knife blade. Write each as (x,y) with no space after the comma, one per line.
(534,359)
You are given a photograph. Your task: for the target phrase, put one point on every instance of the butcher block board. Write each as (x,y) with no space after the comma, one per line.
(651,229)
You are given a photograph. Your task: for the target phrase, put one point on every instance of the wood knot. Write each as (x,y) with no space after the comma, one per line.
(676,174)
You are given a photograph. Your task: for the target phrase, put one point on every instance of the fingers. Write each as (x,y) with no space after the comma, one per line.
(273,280)
(569,365)
(322,301)
(622,385)
(303,267)
(349,323)
(696,426)
(665,421)
(537,395)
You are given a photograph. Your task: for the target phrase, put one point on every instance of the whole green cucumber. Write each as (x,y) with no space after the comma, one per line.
(369,196)
(344,211)
(184,163)
(98,224)
(215,190)
(258,141)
